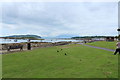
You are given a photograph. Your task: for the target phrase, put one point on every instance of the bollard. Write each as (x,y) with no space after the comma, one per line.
(29,46)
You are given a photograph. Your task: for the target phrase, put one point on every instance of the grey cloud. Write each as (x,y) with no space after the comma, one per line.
(50,18)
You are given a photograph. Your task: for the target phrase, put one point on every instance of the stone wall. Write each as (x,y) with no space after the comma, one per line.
(33,45)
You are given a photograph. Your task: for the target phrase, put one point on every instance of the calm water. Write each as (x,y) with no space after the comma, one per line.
(46,40)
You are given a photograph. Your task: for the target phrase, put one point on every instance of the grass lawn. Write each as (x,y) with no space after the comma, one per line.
(80,62)
(104,44)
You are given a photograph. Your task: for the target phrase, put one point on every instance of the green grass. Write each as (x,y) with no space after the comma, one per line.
(80,62)
(104,44)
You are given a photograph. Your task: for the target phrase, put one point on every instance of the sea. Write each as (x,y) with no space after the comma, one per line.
(3,41)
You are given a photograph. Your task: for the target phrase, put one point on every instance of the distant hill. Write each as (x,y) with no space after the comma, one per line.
(25,36)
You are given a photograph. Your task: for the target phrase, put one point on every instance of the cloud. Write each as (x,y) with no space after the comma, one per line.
(51,19)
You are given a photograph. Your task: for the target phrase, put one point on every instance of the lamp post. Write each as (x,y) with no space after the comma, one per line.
(118,21)
(118,33)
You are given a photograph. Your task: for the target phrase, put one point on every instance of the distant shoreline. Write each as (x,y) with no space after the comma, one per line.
(8,41)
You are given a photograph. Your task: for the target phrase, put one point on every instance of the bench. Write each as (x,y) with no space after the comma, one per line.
(19,46)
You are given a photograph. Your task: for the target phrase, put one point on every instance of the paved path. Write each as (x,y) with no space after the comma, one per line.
(97,47)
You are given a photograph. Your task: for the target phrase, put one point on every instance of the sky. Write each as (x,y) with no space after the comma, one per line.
(59,19)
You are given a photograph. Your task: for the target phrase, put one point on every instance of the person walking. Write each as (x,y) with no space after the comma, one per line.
(117,49)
